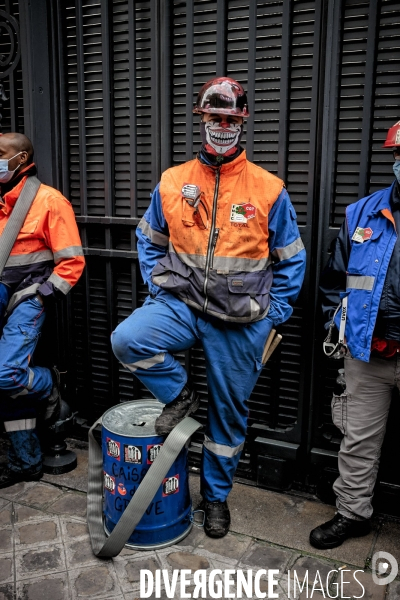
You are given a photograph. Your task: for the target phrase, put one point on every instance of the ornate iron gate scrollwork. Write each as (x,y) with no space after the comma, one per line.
(10,61)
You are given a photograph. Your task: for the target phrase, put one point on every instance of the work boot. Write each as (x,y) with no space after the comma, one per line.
(9,477)
(217,518)
(334,532)
(53,406)
(174,412)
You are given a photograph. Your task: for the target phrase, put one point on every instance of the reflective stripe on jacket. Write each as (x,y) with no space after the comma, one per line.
(367,267)
(240,257)
(47,255)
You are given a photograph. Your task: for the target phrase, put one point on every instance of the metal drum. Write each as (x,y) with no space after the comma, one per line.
(130,446)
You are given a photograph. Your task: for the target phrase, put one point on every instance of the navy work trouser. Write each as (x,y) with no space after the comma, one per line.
(144,344)
(22,386)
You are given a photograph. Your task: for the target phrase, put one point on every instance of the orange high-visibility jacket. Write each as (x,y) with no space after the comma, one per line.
(47,256)
(233,253)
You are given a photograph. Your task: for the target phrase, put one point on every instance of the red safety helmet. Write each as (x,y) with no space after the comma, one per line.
(222,96)
(393,136)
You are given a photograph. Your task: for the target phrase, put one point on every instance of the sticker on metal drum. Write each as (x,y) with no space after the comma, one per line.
(170,485)
(133,454)
(121,489)
(152,453)
(113,448)
(109,482)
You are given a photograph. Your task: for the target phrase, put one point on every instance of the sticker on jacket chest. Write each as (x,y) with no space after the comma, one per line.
(241,213)
(362,234)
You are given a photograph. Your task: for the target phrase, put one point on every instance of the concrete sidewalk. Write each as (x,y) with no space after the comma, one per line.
(45,552)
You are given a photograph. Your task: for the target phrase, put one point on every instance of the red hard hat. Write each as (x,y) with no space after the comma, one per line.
(222,96)
(393,136)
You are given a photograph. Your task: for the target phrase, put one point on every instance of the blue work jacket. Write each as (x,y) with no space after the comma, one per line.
(367,268)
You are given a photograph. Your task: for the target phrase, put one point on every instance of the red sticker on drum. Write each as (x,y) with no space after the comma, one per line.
(109,483)
(152,453)
(113,448)
(121,489)
(170,485)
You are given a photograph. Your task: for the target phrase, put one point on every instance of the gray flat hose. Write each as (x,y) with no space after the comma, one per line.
(112,545)
(17,218)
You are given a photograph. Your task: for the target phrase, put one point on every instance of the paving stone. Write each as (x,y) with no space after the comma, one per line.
(266,557)
(394,591)
(5,515)
(231,546)
(133,569)
(184,560)
(45,587)
(26,513)
(5,539)
(287,521)
(195,537)
(70,504)
(40,496)
(309,566)
(80,553)
(17,490)
(75,529)
(6,564)
(94,581)
(40,560)
(372,590)
(7,591)
(45,531)
(52,589)
(389,539)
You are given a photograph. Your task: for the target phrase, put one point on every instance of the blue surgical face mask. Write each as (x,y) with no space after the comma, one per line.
(396,170)
(5,174)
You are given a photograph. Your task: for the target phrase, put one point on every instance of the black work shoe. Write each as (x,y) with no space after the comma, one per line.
(53,407)
(174,412)
(334,532)
(217,518)
(9,477)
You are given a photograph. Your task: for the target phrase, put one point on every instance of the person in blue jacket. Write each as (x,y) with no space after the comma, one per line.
(221,253)
(361,295)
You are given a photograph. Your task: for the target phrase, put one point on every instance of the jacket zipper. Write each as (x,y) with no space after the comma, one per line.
(212,239)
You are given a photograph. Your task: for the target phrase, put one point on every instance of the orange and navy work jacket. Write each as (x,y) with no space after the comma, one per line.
(47,256)
(224,240)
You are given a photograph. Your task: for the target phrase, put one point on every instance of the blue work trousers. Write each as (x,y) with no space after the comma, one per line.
(144,344)
(22,386)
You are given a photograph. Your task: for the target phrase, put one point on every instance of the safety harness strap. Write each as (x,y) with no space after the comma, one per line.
(112,546)
(17,218)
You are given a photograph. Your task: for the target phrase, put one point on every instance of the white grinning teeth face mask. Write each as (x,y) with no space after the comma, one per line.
(223,139)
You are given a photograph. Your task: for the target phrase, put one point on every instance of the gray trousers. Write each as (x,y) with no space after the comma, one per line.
(361,415)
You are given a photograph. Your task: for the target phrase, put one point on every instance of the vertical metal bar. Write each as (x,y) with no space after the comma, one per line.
(11,78)
(166,86)
(108,147)
(222,21)
(327,146)
(64,154)
(369,84)
(132,110)
(189,77)
(80,61)
(106,37)
(155,93)
(284,89)
(251,82)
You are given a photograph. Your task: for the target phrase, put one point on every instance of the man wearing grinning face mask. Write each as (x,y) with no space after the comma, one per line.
(46,260)
(361,297)
(220,250)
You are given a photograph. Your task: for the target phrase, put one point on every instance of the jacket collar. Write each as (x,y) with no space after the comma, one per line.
(233,167)
(11,196)
(382,200)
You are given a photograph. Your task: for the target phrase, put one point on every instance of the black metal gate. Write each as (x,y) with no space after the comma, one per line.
(323,85)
